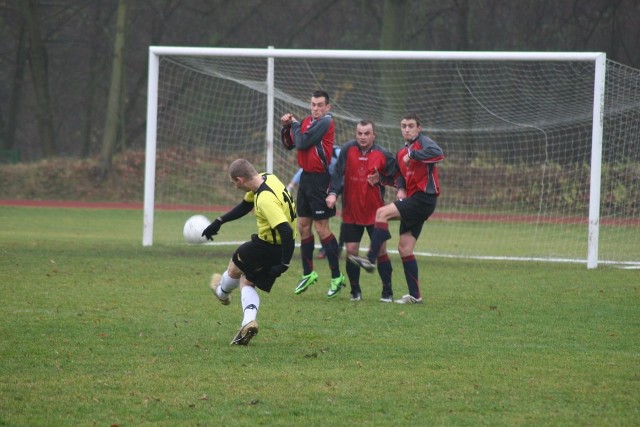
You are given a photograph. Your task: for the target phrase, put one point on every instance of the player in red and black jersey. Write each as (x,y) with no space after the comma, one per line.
(418,191)
(313,138)
(358,160)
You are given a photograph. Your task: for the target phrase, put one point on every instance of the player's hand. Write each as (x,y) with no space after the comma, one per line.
(212,229)
(286,119)
(331,201)
(277,270)
(374,178)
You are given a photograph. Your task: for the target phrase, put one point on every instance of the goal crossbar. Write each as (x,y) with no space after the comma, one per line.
(376,54)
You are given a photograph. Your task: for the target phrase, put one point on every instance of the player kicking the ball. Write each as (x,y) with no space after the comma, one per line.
(260,261)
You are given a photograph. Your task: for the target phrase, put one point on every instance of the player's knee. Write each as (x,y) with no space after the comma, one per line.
(405,250)
(382,214)
(322,228)
(404,254)
(352,248)
(304,229)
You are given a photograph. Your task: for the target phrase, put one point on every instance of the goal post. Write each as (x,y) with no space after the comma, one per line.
(523,134)
(596,160)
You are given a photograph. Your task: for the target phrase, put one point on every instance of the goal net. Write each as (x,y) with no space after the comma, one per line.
(542,149)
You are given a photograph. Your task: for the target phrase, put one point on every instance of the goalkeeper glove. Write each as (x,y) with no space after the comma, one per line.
(212,229)
(277,270)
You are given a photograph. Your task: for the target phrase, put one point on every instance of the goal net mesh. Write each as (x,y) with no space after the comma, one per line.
(516,136)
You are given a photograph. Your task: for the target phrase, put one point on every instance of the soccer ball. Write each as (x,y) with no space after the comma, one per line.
(194,227)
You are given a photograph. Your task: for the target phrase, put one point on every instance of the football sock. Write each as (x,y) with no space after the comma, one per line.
(330,245)
(250,303)
(385,270)
(306,250)
(380,234)
(227,285)
(411,274)
(353,273)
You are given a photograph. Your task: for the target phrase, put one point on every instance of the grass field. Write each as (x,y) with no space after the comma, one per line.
(97,330)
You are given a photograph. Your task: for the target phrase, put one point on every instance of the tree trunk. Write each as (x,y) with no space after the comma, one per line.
(465,140)
(393,38)
(115,93)
(92,83)
(40,76)
(9,127)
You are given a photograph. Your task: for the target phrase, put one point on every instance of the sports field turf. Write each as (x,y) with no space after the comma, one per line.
(97,330)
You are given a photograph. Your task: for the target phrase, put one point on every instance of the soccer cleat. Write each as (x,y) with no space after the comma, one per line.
(356,297)
(386,298)
(245,333)
(321,254)
(337,283)
(362,262)
(306,281)
(214,285)
(408,299)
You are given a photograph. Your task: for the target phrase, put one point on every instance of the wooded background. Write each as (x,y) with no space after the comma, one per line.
(73,73)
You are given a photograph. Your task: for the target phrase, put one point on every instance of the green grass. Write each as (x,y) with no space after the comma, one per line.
(97,330)
(470,239)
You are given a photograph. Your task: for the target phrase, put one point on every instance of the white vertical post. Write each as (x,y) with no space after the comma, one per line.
(270,109)
(150,153)
(596,160)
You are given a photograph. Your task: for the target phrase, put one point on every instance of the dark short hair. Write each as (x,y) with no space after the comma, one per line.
(365,122)
(320,94)
(412,116)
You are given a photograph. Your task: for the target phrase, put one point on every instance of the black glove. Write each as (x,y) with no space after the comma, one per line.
(212,229)
(277,270)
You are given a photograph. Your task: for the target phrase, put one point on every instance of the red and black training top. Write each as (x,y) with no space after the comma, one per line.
(421,174)
(349,178)
(314,141)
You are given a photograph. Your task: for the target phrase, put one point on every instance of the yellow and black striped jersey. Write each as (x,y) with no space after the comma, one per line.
(273,205)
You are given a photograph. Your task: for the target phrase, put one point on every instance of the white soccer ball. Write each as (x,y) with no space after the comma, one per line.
(194,227)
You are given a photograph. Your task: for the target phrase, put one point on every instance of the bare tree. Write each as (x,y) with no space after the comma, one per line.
(53,76)
(10,125)
(39,73)
(393,38)
(114,107)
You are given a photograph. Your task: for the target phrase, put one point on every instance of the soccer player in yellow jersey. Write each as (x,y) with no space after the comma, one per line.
(258,262)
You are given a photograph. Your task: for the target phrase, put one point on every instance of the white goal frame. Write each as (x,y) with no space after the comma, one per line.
(155,52)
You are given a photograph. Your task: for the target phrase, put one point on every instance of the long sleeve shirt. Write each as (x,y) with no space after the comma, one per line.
(314,141)
(421,174)
(349,178)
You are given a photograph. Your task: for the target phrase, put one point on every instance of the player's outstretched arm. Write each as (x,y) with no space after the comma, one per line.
(240,210)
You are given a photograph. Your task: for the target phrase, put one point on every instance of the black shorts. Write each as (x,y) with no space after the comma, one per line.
(354,232)
(255,258)
(414,211)
(312,193)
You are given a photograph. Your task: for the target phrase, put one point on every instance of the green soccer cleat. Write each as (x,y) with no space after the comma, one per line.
(306,281)
(337,283)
